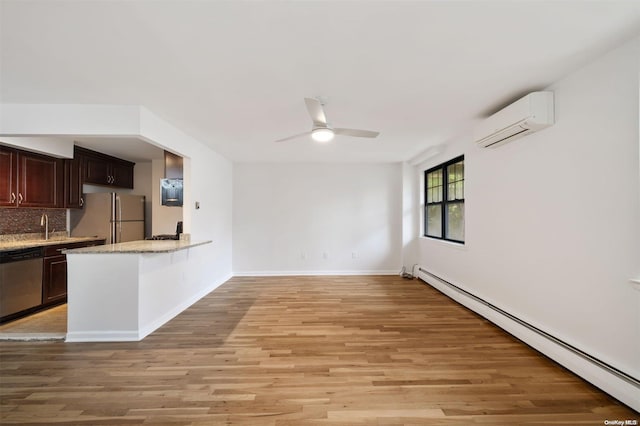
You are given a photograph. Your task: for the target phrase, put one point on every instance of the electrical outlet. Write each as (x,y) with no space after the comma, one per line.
(354,254)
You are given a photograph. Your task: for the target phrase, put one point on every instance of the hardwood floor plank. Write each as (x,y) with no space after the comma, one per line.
(303,351)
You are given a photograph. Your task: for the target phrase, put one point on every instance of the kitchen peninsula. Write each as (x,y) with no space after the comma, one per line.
(125,291)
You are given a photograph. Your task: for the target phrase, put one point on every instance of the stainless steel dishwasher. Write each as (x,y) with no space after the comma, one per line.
(20,280)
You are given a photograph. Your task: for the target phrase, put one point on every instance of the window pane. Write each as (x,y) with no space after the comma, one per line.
(455,221)
(437,193)
(429,196)
(451,191)
(434,221)
(460,171)
(460,190)
(451,172)
(429,180)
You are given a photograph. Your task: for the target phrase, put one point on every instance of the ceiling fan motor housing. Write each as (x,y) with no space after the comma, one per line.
(322,134)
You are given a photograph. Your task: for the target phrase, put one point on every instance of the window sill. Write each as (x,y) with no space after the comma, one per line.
(453,244)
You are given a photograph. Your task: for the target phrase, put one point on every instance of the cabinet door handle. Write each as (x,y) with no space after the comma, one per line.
(81,201)
(13,197)
(19,198)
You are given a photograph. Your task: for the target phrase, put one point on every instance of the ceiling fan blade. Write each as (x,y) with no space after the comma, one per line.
(316,112)
(356,133)
(293,137)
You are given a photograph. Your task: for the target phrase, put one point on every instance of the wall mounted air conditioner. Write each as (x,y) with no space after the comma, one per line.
(526,115)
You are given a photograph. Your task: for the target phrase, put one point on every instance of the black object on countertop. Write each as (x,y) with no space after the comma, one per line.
(164,237)
(175,236)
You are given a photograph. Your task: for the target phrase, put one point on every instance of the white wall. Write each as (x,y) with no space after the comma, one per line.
(410,220)
(287,216)
(142,186)
(553,219)
(208,180)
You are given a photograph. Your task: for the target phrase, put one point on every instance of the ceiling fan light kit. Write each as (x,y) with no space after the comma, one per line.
(322,135)
(321,132)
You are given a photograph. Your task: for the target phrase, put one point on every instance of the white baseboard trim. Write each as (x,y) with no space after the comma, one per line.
(308,273)
(102,336)
(614,385)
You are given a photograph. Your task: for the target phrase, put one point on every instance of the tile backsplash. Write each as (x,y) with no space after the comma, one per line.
(27,220)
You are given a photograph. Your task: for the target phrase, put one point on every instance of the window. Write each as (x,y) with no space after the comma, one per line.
(444,201)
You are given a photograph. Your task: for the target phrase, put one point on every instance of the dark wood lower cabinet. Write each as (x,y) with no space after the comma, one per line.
(54,271)
(54,279)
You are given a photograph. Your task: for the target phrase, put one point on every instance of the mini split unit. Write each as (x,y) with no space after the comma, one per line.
(527,115)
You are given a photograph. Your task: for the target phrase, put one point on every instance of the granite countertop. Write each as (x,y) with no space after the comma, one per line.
(18,244)
(142,246)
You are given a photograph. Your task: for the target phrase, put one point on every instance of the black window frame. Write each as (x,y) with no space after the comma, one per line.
(444,202)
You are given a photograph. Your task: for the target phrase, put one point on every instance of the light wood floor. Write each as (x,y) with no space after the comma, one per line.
(303,351)
(52,321)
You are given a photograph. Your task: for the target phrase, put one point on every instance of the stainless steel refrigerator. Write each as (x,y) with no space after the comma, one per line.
(116,217)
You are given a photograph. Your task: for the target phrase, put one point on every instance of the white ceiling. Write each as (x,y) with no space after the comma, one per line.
(234,74)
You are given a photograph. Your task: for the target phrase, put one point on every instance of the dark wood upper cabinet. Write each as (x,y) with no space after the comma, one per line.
(96,169)
(102,169)
(40,180)
(8,176)
(73,183)
(122,172)
(34,180)
(30,180)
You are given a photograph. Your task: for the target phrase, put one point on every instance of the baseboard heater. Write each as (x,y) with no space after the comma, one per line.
(621,374)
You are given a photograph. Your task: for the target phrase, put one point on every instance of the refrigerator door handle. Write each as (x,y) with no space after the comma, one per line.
(112,232)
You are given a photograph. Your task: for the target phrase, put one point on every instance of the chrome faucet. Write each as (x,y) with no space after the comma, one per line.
(44,221)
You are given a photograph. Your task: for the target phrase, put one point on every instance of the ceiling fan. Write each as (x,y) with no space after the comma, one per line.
(322,131)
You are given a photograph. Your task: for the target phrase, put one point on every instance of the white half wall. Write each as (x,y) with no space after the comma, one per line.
(144,290)
(317,218)
(553,219)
